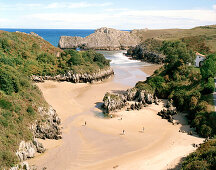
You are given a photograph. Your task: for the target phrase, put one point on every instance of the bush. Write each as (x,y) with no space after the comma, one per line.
(46,58)
(9,80)
(209,87)
(155,81)
(76,59)
(208,68)
(205,130)
(196,165)
(30,110)
(4,104)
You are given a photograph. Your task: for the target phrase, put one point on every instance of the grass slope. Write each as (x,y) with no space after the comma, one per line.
(22,55)
(206,33)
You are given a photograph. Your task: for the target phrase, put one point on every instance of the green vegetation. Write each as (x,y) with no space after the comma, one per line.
(191,90)
(201,39)
(21,56)
(203,158)
(187,86)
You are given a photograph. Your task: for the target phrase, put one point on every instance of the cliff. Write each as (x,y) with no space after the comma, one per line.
(70,76)
(102,39)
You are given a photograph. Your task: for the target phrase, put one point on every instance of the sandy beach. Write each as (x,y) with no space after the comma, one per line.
(100,143)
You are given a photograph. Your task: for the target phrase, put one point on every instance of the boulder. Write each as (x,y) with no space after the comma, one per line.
(113,102)
(49,127)
(131,94)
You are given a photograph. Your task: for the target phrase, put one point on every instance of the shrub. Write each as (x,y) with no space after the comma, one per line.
(209,87)
(46,58)
(4,104)
(205,130)
(76,59)
(9,81)
(30,110)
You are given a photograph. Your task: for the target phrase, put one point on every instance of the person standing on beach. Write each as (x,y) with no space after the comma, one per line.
(123,132)
(143,129)
(85,123)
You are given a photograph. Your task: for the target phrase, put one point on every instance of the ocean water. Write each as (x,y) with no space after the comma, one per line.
(53,35)
(127,71)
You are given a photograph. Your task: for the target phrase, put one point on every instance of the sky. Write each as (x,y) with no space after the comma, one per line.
(119,14)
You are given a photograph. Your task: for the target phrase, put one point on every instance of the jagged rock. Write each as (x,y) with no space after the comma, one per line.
(156,101)
(26,150)
(77,78)
(167,113)
(142,52)
(23,166)
(113,102)
(133,107)
(169,103)
(102,39)
(39,146)
(131,94)
(49,128)
(145,97)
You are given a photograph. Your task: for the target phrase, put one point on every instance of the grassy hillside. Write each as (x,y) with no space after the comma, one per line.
(203,158)
(21,56)
(206,33)
(190,88)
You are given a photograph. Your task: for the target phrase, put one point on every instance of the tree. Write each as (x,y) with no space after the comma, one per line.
(177,53)
(209,67)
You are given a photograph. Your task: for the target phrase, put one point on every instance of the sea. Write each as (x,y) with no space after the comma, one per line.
(53,35)
(126,70)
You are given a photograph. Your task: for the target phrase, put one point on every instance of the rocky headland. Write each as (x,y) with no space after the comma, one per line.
(102,39)
(148,51)
(70,76)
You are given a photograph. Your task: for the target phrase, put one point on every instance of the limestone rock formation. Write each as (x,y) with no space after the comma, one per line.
(102,39)
(28,149)
(168,112)
(50,127)
(131,94)
(140,98)
(77,78)
(113,102)
(141,52)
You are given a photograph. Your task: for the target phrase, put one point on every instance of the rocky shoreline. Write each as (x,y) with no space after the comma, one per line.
(135,99)
(77,77)
(47,128)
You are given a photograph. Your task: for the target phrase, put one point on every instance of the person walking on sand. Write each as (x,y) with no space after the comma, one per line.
(143,129)
(85,123)
(123,131)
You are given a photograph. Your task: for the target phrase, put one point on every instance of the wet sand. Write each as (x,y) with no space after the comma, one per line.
(100,144)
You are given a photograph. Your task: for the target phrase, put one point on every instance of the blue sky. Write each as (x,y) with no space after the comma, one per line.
(119,14)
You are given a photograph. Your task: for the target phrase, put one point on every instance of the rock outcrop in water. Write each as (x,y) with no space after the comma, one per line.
(102,39)
(77,78)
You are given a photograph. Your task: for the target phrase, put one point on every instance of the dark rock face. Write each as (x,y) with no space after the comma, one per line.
(168,112)
(140,52)
(77,78)
(50,127)
(102,39)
